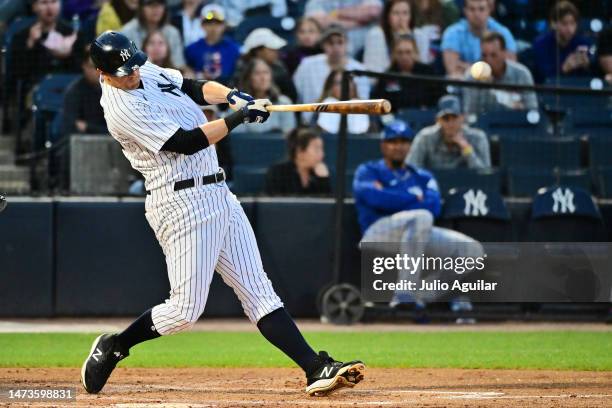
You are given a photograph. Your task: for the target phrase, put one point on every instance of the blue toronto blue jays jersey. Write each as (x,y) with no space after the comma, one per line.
(408,188)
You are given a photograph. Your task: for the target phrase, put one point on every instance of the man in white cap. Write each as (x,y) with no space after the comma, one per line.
(213,57)
(264,44)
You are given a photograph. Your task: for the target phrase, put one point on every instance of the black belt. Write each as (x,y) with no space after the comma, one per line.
(210,179)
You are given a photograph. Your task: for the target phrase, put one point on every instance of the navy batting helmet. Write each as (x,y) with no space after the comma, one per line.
(398,129)
(114,54)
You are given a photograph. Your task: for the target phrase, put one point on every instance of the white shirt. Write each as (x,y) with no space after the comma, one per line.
(330,122)
(142,120)
(310,76)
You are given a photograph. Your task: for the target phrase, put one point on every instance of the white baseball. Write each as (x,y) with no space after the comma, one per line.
(480,71)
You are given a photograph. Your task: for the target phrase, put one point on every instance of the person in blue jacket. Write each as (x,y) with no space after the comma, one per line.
(397,203)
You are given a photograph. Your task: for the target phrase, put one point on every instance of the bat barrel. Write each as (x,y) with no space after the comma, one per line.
(367,107)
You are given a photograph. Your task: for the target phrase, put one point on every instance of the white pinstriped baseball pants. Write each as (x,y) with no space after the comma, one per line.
(201,229)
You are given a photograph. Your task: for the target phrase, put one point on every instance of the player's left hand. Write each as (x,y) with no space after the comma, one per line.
(238,100)
(256,112)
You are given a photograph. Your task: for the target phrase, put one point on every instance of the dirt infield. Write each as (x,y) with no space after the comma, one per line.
(281,387)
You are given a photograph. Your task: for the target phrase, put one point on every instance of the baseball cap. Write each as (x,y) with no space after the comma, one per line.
(263,37)
(397,129)
(212,12)
(448,105)
(332,29)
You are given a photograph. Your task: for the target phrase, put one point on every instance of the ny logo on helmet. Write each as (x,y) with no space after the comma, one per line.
(125,55)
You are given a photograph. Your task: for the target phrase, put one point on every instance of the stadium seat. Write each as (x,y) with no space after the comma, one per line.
(603,181)
(572,101)
(503,124)
(590,122)
(526,181)
(258,149)
(360,148)
(488,180)
(48,99)
(249,179)
(540,152)
(600,151)
(479,214)
(417,118)
(565,214)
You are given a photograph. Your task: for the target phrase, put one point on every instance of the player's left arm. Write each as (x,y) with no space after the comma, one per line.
(211,93)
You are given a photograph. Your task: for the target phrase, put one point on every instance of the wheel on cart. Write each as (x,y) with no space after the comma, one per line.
(342,304)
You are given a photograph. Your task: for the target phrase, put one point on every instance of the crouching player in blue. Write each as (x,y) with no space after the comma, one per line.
(397,203)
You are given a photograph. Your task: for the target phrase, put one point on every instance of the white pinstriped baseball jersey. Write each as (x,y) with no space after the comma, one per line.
(200,229)
(142,120)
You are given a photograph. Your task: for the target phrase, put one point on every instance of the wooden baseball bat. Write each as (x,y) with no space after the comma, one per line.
(368,107)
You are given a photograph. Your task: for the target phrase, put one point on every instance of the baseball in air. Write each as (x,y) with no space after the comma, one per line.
(481,71)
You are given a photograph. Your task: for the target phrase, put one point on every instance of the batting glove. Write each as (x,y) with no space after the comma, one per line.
(238,100)
(256,112)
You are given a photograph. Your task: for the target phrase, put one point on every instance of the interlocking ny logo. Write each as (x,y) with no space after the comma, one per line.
(97,354)
(563,201)
(475,203)
(125,55)
(170,87)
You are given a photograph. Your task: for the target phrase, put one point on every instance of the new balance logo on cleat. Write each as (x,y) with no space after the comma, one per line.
(334,375)
(103,358)
(97,354)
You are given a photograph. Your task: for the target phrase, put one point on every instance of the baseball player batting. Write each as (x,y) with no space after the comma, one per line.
(154,114)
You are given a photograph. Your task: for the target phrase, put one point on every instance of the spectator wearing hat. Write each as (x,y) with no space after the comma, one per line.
(215,55)
(48,45)
(310,75)
(307,35)
(238,10)
(404,94)
(153,15)
(264,44)
(397,203)
(504,71)
(188,21)
(305,172)
(450,144)
(355,16)
(114,14)
(561,51)
(461,41)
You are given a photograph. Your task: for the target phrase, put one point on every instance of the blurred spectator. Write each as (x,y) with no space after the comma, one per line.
(505,71)
(114,14)
(461,41)
(396,20)
(187,20)
(238,10)
(312,71)
(82,111)
(407,94)
(304,173)
(256,80)
(330,122)
(561,51)
(262,43)
(604,54)
(355,16)
(10,10)
(153,15)
(214,56)
(450,144)
(156,47)
(397,203)
(431,17)
(48,45)
(85,9)
(307,33)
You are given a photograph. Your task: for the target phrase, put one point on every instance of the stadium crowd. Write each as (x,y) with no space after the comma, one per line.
(296,50)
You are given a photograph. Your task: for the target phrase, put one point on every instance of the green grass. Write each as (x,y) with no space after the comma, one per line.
(537,350)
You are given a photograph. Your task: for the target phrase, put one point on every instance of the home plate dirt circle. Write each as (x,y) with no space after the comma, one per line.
(283,387)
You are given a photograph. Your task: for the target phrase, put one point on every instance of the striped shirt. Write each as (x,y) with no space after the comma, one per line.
(143,119)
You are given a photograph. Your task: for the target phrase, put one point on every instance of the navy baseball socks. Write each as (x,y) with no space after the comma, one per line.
(108,349)
(323,374)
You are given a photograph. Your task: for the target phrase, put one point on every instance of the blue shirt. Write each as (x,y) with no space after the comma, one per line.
(458,37)
(401,191)
(548,57)
(217,61)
